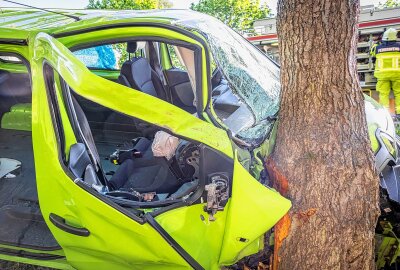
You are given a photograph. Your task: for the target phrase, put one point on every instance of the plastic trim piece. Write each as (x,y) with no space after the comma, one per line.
(12,41)
(30,255)
(60,223)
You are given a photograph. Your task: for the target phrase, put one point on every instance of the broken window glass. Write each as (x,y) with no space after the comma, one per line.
(99,57)
(252,76)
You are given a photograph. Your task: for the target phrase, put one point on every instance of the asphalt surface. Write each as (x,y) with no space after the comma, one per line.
(5,265)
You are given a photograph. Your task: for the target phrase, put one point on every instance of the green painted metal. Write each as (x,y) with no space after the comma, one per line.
(19,118)
(378,117)
(13,68)
(107,74)
(374,141)
(81,207)
(223,239)
(15,49)
(20,23)
(267,207)
(263,151)
(202,239)
(165,58)
(129,32)
(114,96)
(117,240)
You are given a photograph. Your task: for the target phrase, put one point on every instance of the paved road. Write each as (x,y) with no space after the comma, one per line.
(4,265)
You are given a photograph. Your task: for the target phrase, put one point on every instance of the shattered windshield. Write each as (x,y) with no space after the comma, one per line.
(99,57)
(252,76)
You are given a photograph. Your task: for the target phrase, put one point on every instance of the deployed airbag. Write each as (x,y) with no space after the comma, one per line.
(164,145)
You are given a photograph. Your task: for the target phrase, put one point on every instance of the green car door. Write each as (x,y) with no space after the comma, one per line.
(96,232)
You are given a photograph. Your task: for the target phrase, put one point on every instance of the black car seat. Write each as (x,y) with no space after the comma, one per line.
(138,74)
(147,174)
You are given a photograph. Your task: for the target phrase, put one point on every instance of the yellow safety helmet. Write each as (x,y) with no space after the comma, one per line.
(390,35)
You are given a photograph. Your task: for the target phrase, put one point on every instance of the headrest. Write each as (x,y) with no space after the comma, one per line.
(131,46)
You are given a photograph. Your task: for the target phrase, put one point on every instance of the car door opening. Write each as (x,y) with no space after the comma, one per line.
(21,222)
(134,163)
(168,70)
(140,67)
(140,161)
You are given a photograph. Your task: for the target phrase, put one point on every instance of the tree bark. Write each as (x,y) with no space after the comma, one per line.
(323,160)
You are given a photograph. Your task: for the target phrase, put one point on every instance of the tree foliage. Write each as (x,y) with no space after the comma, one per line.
(129,4)
(238,14)
(389,4)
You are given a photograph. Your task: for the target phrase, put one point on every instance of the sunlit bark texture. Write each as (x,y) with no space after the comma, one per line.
(323,160)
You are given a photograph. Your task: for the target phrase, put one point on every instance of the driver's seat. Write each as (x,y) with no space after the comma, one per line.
(137,73)
(146,174)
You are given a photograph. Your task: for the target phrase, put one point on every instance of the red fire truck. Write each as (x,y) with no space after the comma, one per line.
(372,23)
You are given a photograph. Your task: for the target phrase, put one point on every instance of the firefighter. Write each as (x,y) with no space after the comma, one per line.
(387,68)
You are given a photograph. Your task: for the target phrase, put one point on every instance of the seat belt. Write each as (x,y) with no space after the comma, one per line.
(155,65)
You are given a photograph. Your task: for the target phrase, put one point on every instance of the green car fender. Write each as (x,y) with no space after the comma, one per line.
(245,225)
(252,210)
(381,129)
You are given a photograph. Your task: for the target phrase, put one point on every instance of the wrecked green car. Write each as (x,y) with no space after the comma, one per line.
(141,135)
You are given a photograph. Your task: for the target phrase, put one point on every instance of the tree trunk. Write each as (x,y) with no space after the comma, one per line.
(323,160)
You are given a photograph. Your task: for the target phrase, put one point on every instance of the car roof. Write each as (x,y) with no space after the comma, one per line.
(19,23)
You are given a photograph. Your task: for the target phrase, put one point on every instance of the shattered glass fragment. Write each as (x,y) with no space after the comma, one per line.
(252,76)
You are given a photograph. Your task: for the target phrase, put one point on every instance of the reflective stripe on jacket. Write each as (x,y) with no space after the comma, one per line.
(387,65)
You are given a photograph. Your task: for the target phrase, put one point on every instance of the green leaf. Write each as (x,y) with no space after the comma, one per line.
(238,14)
(129,4)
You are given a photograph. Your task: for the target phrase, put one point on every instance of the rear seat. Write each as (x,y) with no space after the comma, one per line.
(19,117)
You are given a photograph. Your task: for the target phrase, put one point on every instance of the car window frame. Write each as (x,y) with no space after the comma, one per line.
(18,61)
(26,64)
(168,47)
(205,91)
(16,67)
(92,67)
(195,48)
(139,53)
(182,203)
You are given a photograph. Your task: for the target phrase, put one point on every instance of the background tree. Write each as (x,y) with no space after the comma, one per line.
(238,14)
(389,4)
(129,4)
(322,160)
